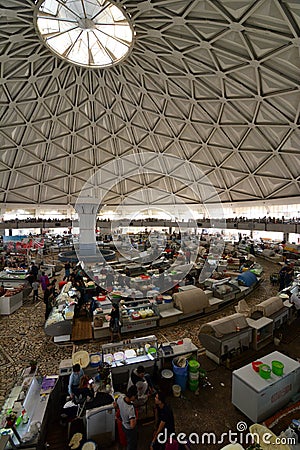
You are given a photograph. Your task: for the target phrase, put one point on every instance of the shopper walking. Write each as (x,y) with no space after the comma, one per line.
(48,298)
(44,280)
(114,322)
(67,271)
(34,270)
(35,288)
(127,412)
(165,425)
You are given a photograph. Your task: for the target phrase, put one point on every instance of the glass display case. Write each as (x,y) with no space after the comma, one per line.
(60,321)
(139,315)
(124,356)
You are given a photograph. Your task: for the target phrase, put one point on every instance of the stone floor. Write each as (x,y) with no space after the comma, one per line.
(22,338)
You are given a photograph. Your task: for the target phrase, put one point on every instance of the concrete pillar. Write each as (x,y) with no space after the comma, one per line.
(87,209)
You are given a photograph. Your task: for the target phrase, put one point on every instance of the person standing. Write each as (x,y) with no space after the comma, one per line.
(35,288)
(110,279)
(48,298)
(127,412)
(34,270)
(114,322)
(188,256)
(67,271)
(165,425)
(143,383)
(295,300)
(53,285)
(44,280)
(289,275)
(74,380)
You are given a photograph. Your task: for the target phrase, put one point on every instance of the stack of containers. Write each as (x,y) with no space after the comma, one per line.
(193,375)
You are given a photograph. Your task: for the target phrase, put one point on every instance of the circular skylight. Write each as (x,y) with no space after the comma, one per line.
(91,33)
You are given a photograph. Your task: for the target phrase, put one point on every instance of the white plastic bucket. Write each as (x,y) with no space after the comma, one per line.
(194,376)
(176,390)
(167,374)
(187,342)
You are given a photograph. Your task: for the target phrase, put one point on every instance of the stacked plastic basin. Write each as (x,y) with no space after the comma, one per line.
(180,374)
(193,375)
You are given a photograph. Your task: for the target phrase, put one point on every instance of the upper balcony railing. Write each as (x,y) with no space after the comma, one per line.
(241,223)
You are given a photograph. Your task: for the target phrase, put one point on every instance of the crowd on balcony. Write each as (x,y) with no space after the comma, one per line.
(265,219)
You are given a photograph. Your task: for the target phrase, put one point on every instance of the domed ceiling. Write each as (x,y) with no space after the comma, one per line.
(212,82)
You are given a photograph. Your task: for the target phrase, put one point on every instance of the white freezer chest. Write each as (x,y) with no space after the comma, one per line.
(258,398)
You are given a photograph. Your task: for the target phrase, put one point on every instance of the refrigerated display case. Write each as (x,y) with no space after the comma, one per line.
(60,321)
(142,316)
(259,398)
(127,355)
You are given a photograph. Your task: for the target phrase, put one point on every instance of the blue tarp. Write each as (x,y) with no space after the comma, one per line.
(247,278)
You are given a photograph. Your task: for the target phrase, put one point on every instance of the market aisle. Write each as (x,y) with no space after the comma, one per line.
(23,338)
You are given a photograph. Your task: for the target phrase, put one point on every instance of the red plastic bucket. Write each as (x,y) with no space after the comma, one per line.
(256,364)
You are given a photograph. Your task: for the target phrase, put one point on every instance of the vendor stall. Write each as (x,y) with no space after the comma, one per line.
(191,302)
(24,414)
(225,337)
(274,309)
(142,316)
(15,281)
(11,300)
(60,321)
(124,357)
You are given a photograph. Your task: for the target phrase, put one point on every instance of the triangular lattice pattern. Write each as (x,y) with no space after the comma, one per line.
(216,82)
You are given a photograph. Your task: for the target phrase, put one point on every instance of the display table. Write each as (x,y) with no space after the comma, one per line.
(169,315)
(168,351)
(259,398)
(101,332)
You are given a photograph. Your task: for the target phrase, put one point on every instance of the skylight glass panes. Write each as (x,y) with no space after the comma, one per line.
(92,33)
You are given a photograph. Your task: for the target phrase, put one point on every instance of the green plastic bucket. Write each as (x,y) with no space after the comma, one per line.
(277,368)
(202,373)
(264,371)
(193,385)
(193,366)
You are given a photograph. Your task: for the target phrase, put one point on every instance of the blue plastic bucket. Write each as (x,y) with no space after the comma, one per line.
(180,374)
